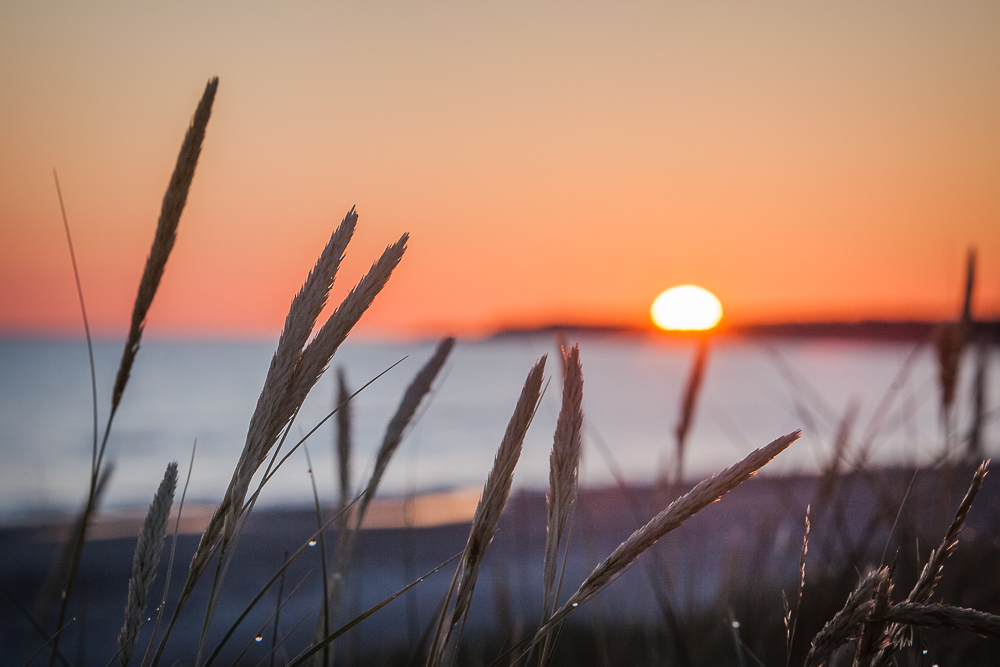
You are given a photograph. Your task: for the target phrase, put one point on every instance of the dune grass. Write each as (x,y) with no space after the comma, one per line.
(873,622)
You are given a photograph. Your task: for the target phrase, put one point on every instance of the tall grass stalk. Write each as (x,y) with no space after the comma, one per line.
(278,576)
(792,613)
(931,573)
(415,393)
(284,387)
(564,468)
(146,561)
(324,620)
(170,561)
(293,372)
(343,442)
(688,404)
(86,324)
(950,340)
(163,242)
(974,441)
(412,398)
(487,516)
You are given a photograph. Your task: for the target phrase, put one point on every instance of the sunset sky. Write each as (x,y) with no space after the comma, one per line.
(553,162)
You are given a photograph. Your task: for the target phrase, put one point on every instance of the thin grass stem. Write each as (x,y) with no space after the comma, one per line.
(274,635)
(36,626)
(277,575)
(325,613)
(317,647)
(163,242)
(50,642)
(273,617)
(86,324)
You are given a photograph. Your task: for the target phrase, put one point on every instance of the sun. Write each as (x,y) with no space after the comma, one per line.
(686,308)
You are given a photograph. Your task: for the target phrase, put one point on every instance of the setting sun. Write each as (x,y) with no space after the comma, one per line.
(687,308)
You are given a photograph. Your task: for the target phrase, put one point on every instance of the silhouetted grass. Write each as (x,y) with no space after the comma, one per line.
(870,537)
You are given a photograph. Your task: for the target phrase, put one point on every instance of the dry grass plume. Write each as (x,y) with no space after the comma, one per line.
(487,516)
(564,466)
(146,561)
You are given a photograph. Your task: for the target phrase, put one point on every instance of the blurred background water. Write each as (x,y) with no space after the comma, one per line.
(181,392)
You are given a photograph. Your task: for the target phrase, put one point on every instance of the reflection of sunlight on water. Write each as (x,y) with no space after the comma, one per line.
(752,392)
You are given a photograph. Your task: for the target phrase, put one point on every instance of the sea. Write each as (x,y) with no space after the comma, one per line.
(191,402)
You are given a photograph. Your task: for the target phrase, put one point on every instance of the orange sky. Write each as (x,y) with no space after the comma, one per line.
(552,161)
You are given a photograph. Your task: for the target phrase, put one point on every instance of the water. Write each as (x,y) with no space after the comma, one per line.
(182,392)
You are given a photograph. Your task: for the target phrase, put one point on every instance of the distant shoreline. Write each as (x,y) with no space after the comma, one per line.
(865,330)
(871,330)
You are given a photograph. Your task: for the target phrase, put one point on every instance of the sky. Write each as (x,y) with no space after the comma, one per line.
(552,161)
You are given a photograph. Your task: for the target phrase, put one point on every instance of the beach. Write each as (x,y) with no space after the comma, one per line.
(748,542)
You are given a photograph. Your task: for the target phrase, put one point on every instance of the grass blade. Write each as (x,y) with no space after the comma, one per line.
(414,395)
(343,447)
(86,324)
(317,647)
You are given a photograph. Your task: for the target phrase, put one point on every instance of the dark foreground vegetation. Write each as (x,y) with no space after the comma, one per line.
(855,566)
(733,563)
